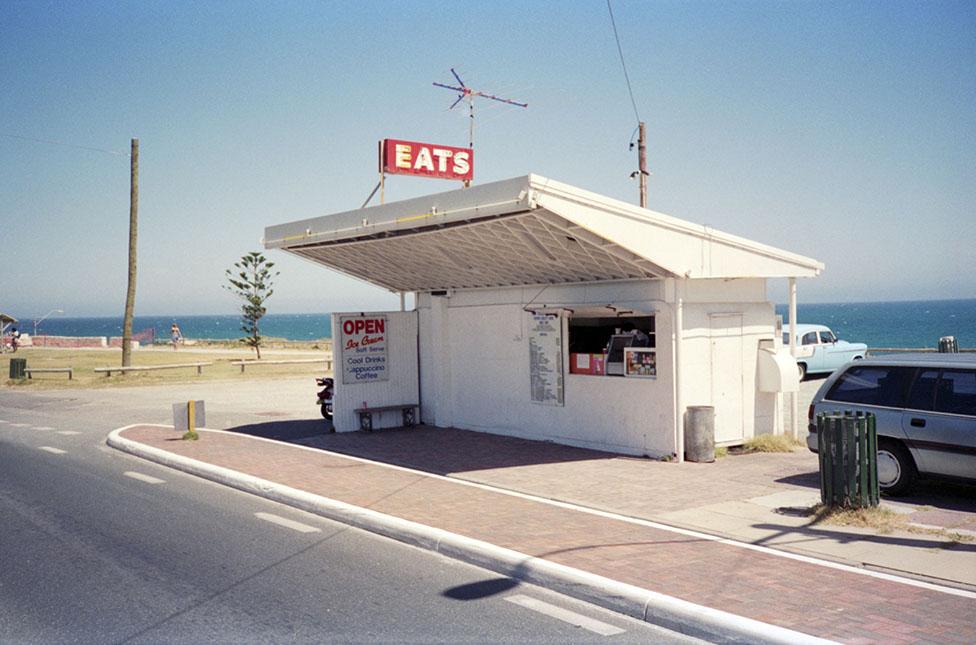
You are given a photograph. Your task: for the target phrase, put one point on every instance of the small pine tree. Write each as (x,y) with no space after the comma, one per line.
(250,280)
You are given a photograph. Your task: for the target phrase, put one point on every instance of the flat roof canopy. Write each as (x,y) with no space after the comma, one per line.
(524,231)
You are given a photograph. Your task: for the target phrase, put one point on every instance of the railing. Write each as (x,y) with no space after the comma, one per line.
(912,350)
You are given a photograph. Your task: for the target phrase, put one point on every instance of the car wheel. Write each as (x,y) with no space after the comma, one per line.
(896,468)
(802,369)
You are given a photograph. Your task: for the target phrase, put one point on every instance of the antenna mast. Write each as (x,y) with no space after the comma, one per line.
(465,92)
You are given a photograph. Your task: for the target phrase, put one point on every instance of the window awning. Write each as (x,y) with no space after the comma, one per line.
(523,231)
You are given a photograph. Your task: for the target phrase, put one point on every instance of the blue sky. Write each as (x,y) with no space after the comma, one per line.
(841,131)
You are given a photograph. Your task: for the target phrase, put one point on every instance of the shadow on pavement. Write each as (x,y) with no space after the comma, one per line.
(939,494)
(435,450)
(481,589)
(841,537)
(290,431)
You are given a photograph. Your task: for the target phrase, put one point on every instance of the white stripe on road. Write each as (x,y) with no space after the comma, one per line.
(2,421)
(291,524)
(68,433)
(149,479)
(56,451)
(571,617)
(19,425)
(43,428)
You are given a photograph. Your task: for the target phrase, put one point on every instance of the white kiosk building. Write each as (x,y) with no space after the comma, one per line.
(548,312)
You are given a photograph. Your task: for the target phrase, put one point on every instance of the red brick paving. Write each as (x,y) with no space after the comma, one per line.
(817,600)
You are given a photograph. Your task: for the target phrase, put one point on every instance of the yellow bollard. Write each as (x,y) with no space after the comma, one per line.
(191,433)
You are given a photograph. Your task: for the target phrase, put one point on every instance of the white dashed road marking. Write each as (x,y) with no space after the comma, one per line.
(19,425)
(571,617)
(149,479)
(68,433)
(56,451)
(291,524)
(43,428)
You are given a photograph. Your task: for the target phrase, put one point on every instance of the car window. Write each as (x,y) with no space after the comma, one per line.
(956,393)
(786,339)
(922,395)
(872,385)
(809,338)
(827,337)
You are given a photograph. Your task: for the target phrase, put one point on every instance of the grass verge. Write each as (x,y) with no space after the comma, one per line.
(768,443)
(84,361)
(880,519)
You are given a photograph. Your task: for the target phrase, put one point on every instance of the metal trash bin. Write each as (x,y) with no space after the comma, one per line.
(948,345)
(18,368)
(700,433)
(847,447)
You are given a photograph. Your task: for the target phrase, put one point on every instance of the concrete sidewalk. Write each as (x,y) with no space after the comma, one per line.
(645,568)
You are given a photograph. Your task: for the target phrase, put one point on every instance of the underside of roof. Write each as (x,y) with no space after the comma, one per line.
(523,231)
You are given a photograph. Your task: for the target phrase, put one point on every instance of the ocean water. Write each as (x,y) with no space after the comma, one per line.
(879,324)
(289,326)
(894,324)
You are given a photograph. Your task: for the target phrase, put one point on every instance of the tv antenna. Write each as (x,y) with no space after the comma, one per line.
(465,92)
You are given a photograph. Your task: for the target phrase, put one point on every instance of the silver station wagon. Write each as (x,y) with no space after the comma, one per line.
(925,405)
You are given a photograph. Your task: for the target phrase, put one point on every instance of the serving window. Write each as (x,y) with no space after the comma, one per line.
(606,346)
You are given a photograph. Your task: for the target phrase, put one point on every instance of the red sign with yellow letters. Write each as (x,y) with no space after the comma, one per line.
(427,160)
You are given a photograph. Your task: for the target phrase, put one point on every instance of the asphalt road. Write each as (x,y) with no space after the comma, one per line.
(97,546)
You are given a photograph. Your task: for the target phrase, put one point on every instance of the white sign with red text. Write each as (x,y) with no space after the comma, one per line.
(363,348)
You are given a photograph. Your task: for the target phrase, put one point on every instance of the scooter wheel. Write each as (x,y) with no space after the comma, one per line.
(326,411)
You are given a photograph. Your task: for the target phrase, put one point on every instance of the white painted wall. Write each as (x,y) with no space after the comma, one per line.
(706,303)
(474,362)
(402,386)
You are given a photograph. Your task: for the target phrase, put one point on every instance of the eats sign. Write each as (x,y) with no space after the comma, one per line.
(427,160)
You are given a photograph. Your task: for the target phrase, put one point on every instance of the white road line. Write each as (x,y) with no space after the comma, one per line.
(2,421)
(68,433)
(149,479)
(565,615)
(19,425)
(291,524)
(56,451)
(43,428)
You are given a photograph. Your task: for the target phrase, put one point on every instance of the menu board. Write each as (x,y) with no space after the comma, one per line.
(546,359)
(640,362)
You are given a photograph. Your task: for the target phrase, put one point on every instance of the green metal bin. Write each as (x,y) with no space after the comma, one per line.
(18,368)
(847,445)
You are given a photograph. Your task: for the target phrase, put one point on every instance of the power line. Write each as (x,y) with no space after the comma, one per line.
(622,63)
(116,153)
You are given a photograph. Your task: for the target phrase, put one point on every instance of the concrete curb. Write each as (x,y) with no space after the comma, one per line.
(672,613)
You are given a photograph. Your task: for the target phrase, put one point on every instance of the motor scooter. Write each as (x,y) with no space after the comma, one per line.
(325,395)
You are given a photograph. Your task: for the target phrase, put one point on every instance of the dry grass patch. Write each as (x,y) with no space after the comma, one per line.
(878,518)
(769,443)
(84,362)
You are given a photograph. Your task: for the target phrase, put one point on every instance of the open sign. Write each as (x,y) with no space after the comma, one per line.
(362,349)
(427,160)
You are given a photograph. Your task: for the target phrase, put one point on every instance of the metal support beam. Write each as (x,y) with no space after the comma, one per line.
(794,396)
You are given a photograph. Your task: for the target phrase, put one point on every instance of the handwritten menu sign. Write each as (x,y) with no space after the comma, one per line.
(546,359)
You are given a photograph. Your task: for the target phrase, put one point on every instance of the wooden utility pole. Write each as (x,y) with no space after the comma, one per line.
(130,294)
(642,163)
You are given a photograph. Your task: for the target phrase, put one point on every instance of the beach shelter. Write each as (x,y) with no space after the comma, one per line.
(526,292)
(5,322)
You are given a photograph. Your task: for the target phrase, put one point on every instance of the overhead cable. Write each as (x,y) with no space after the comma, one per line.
(622,63)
